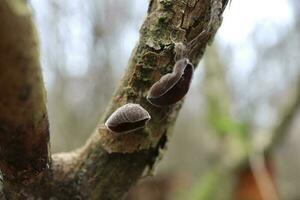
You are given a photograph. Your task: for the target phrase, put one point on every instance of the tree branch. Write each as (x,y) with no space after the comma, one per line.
(91,172)
(110,175)
(286,119)
(253,166)
(24,135)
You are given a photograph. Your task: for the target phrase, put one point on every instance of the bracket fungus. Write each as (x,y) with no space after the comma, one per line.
(172,87)
(128,118)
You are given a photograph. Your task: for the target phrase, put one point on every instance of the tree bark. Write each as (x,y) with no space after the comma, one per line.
(113,174)
(91,172)
(24,135)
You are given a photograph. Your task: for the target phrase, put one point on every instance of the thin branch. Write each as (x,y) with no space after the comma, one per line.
(262,177)
(285,122)
(24,135)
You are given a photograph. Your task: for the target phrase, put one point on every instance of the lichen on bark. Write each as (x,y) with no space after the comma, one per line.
(153,57)
(91,172)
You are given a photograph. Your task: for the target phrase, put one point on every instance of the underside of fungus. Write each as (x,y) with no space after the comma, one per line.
(172,87)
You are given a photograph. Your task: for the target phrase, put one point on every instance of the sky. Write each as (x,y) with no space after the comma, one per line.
(241,18)
(244,19)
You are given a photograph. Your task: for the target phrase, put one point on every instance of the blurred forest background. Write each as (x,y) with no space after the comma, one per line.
(240,94)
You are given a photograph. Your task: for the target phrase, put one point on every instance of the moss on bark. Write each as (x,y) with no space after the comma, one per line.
(91,172)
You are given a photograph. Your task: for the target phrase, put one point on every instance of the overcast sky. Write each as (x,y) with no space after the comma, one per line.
(240,19)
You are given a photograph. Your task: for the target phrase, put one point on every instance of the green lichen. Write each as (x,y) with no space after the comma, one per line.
(149,60)
(166,3)
(130,92)
(145,79)
(162,20)
(168,69)
(147,67)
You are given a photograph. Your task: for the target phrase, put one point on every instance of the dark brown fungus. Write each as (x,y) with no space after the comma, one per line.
(172,87)
(127,118)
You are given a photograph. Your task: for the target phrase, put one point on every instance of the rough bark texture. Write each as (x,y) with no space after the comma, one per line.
(112,174)
(91,172)
(24,135)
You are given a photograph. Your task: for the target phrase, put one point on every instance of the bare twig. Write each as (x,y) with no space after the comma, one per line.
(263,177)
(286,119)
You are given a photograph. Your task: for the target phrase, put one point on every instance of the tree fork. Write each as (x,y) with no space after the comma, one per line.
(91,172)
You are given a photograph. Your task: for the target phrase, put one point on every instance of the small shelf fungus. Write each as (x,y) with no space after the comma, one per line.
(172,87)
(117,135)
(128,118)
